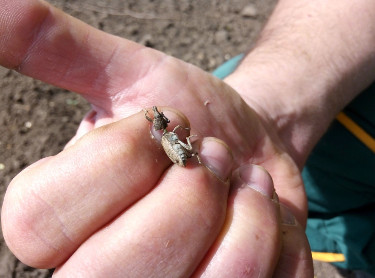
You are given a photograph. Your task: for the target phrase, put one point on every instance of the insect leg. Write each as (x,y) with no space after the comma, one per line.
(188,140)
(191,148)
(187,146)
(178,126)
(147,117)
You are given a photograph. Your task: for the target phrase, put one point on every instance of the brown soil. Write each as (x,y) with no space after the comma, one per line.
(37,119)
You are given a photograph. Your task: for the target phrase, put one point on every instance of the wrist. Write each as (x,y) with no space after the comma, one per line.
(300,73)
(296,99)
(292,110)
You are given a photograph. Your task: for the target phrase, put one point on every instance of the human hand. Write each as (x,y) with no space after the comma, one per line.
(122,210)
(119,77)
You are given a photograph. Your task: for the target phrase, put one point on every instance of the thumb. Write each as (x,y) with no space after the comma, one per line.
(43,42)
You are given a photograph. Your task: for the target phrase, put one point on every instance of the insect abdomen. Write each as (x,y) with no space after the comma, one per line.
(174,150)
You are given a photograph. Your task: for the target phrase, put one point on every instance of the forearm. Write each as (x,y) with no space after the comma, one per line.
(312,58)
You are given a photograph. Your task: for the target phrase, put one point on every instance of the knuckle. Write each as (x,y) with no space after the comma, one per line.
(26,227)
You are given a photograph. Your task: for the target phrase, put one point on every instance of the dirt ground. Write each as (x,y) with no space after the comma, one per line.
(36,119)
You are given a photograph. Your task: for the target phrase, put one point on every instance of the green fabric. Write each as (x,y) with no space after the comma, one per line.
(339,178)
(228,67)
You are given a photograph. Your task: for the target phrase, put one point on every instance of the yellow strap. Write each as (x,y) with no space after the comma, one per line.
(366,139)
(357,131)
(328,257)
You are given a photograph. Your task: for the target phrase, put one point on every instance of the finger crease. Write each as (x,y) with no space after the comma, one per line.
(39,32)
(63,230)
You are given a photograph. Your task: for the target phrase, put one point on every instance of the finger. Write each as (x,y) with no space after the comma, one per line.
(165,234)
(250,243)
(43,42)
(52,207)
(295,259)
(288,184)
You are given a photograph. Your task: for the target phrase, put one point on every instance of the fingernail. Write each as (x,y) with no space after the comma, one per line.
(257,178)
(217,157)
(157,134)
(175,117)
(287,217)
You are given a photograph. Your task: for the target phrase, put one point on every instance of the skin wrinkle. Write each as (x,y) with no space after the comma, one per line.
(255,230)
(152,245)
(54,32)
(122,152)
(66,72)
(288,272)
(192,202)
(51,208)
(242,146)
(38,34)
(89,193)
(265,118)
(127,94)
(118,183)
(186,200)
(165,262)
(131,179)
(105,72)
(105,87)
(99,85)
(241,266)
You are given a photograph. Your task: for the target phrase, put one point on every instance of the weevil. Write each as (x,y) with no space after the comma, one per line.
(160,121)
(176,150)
